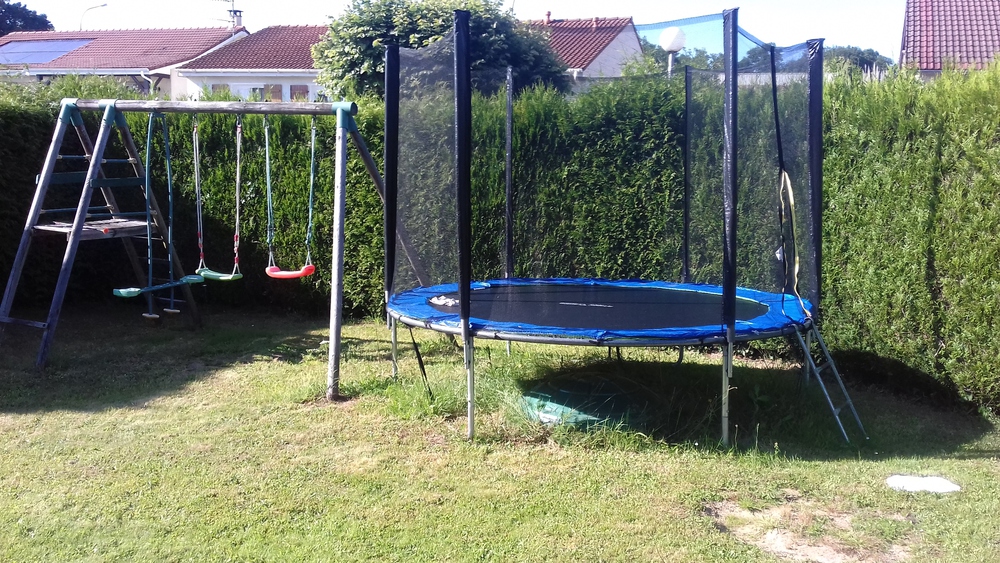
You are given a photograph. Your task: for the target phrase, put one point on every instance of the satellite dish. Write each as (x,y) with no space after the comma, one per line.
(672,39)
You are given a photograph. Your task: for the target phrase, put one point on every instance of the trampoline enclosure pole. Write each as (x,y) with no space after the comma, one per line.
(509,175)
(815,140)
(729,199)
(686,236)
(463,188)
(391,153)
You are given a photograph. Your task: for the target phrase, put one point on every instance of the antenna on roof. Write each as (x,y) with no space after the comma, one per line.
(235,16)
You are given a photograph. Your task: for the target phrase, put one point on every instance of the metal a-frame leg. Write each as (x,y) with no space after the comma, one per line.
(73,240)
(94,152)
(828,366)
(66,115)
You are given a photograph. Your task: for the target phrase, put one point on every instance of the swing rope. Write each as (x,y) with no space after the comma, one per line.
(272,269)
(203,269)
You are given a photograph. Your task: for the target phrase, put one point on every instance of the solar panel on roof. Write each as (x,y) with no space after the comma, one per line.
(38,51)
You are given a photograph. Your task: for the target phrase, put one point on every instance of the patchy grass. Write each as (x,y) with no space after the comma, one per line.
(145,443)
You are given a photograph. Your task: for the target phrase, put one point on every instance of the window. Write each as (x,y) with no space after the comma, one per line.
(271,93)
(220,88)
(299,92)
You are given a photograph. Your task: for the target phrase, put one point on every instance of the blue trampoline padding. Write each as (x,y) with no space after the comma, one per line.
(601,310)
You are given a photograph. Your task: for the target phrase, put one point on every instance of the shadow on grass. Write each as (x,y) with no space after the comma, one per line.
(770,409)
(107,356)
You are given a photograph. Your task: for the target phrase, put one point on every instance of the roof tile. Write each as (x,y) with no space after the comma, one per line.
(937,33)
(276,47)
(579,42)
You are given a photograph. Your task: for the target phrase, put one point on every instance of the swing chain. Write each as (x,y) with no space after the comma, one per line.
(270,201)
(312,191)
(239,164)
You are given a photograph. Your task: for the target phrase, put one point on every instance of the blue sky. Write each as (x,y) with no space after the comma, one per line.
(876,24)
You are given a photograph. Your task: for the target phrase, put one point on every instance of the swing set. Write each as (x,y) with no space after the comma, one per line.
(108,220)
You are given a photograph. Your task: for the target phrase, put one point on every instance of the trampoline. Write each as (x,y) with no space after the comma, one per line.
(600,312)
(511,237)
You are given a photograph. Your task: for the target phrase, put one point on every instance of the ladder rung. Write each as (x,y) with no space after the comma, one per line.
(118,161)
(110,228)
(72,157)
(23,322)
(73,209)
(116,214)
(819,369)
(59,178)
(118,182)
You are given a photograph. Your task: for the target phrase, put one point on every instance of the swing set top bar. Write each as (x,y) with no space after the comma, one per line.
(269,108)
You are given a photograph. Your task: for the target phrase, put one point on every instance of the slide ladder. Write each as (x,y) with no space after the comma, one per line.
(819,365)
(97,216)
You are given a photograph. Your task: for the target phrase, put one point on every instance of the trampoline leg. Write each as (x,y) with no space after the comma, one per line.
(727,374)
(395,347)
(805,364)
(471,378)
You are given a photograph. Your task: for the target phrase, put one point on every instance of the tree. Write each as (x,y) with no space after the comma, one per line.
(17,17)
(867,59)
(699,58)
(350,56)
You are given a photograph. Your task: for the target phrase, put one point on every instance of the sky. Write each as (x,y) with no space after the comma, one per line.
(869,24)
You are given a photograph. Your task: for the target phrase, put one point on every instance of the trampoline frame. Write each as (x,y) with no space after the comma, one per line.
(451,324)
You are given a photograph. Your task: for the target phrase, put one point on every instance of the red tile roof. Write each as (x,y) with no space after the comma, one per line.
(127,48)
(937,33)
(579,42)
(277,47)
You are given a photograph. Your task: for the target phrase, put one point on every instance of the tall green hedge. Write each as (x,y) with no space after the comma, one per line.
(912,263)
(912,177)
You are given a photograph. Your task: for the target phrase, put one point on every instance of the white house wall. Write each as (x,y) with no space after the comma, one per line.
(187,85)
(614,57)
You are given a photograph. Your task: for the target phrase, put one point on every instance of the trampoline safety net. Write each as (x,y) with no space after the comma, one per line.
(573,226)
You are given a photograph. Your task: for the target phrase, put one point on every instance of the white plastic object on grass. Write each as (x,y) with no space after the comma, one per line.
(913,484)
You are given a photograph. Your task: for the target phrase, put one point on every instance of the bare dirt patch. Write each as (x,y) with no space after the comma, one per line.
(801,530)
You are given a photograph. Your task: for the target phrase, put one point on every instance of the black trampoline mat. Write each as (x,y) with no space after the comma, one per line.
(606,307)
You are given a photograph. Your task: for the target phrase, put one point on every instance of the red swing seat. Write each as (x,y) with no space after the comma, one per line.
(278,273)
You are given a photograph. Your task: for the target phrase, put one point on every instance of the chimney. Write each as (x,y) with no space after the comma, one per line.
(236,18)
(593,24)
(548,18)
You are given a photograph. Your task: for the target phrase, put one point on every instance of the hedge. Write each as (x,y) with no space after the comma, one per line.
(911,273)
(912,263)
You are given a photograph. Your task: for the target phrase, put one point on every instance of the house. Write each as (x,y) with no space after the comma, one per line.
(144,58)
(592,48)
(273,64)
(938,34)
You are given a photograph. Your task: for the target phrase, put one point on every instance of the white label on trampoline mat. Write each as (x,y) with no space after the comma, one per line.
(444,300)
(586,304)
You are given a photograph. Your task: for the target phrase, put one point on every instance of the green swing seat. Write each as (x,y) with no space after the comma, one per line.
(210,274)
(137,291)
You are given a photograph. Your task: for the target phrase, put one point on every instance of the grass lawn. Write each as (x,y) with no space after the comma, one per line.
(144,443)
